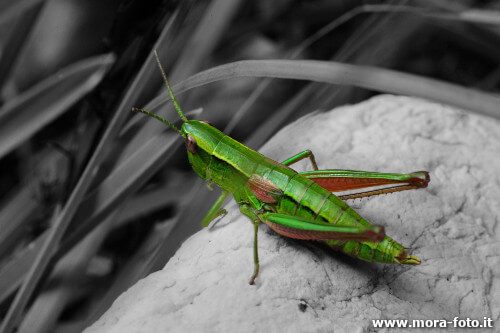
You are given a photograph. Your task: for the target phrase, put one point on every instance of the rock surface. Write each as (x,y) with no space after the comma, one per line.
(452,226)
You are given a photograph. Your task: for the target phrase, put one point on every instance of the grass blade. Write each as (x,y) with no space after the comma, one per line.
(61,221)
(125,179)
(13,217)
(10,9)
(204,39)
(199,45)
(29,112)
(18,32)
(51,238)
(374,78)
(137,267)
(65,284)
(12,273)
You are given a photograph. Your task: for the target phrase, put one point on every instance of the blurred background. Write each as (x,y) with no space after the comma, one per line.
(94,197)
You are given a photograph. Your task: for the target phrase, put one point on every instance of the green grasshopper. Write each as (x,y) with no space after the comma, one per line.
(295,205)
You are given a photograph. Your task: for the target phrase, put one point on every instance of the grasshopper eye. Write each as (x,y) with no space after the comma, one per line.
(206,122)
(191,144)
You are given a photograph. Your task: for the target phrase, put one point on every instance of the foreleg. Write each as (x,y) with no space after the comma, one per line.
(214,212)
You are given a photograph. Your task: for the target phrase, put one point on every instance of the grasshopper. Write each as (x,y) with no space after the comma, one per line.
(295,205)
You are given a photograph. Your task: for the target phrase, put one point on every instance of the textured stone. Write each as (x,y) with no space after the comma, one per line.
(452,226)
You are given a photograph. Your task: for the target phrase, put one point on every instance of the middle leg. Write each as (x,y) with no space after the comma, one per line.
(249,212)
(300,156)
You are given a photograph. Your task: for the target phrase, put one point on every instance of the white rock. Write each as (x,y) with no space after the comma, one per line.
(452,226)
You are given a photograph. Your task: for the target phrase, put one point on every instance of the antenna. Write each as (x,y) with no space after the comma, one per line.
(159,118)
(169,88)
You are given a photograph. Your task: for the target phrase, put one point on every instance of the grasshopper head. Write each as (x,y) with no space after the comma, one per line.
(201,138)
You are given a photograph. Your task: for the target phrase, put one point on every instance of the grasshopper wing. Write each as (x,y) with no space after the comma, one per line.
(264,189)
